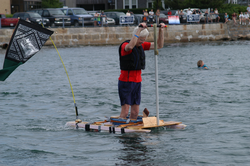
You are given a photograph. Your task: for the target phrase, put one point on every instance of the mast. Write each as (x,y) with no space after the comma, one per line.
(156,74)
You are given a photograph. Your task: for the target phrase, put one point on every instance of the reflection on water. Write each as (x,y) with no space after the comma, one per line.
(133,151)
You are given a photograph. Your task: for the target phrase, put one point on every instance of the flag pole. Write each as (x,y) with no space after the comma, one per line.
(156,73)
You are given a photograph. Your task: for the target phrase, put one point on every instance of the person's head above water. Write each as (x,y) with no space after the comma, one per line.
(201,64)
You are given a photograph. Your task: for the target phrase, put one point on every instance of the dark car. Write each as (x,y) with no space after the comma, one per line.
(163,18)
(115,16)
(138,18)
(55,16)
(77,14)
(166,12)
(32,17)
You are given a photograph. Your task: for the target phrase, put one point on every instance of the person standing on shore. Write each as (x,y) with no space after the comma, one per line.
(95,18)
(189,12)
(145,17)
(128,13)
(248,9)
(151,16)
(157,13)
(132,61)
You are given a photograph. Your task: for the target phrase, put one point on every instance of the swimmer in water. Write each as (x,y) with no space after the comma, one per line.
(201,65)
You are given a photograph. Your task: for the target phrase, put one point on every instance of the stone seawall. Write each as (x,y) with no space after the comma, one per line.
(72,37)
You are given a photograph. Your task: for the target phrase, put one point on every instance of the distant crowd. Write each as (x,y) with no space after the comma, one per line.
(243,17)
(209,16)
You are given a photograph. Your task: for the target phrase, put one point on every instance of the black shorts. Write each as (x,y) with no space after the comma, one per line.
(129,92)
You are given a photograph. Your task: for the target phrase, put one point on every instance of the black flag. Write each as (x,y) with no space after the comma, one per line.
(25,42)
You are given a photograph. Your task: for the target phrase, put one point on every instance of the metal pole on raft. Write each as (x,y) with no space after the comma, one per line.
(156,73)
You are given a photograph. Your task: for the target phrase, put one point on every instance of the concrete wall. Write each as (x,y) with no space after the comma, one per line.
(196,32)
(71,37)
(116,35)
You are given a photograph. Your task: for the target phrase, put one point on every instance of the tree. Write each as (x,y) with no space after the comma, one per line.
(51,4)
(202,4)
(176,4)
(157,4)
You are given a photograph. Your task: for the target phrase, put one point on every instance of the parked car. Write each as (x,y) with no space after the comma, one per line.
(115,16)
(8,22)
(32,17)
(166,12)
(76,15)
(150,18)
(138,18)
(55,16)
(107,20)
(163,18)
(92,12)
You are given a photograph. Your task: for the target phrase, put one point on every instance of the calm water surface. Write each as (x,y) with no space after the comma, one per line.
(36,103)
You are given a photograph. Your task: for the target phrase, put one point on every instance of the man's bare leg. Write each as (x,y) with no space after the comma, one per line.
(124,111)
(134,111)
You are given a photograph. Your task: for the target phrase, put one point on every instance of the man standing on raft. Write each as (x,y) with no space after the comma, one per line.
(132,60)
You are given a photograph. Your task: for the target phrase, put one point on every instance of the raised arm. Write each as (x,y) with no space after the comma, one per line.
(160,40)
(134,39)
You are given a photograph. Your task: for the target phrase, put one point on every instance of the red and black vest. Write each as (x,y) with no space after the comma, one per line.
(133,61)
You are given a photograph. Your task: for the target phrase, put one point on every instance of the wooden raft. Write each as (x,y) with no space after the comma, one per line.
(148,123)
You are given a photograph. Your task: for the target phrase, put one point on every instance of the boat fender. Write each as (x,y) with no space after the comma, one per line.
(77,125)
(78,120)
(113,128)
(99,128)
(122,130)
(87,127)
(109,129)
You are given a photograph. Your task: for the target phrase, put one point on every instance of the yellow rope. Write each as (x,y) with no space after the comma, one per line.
(67,76)
(64,69)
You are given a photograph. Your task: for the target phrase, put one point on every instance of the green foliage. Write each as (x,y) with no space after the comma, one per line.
(157,5)
(51,4)
(176,4)
(231,8)
(9,15)
(202,4)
